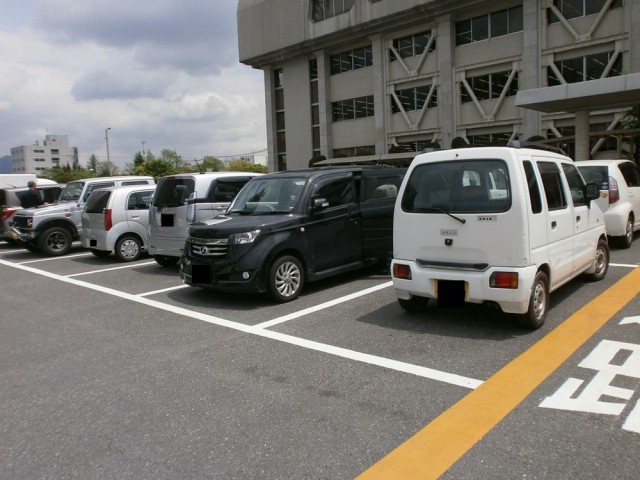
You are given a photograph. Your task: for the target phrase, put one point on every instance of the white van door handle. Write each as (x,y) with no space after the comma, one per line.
(577,218)
(554,224)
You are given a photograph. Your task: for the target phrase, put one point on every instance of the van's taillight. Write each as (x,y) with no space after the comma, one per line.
(401,270)
(614,193)
(7,212)
(108,220)
(504,280)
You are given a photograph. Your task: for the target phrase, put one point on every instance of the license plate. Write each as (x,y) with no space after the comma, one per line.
(451,292)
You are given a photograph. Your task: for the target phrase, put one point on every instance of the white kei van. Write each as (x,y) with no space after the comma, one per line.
(498,225)
(185,198)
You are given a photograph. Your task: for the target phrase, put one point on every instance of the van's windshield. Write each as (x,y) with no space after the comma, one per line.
(266,196)
(173,192)
(460,186)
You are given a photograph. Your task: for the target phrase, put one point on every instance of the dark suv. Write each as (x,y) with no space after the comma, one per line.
(285,229)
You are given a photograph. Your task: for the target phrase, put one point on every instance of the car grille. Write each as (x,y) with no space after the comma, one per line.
(21,222)
(208,247)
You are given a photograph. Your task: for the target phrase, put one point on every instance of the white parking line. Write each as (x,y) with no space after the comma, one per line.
(322,306)
(48,259)
(261,332)
(625,265)
(163,290)
(129,265)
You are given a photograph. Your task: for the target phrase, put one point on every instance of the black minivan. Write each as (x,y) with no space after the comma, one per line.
(288,228)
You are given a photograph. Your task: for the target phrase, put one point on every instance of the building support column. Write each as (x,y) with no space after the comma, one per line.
(583,150)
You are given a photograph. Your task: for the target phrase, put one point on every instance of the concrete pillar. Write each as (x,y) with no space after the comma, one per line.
(583,150)
(379,93)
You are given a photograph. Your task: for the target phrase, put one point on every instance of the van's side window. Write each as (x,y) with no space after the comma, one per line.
(552,182)
(139,201)
(381,187)
(576,184)
(338,192)
(534,188)
(224,190)
(631,174)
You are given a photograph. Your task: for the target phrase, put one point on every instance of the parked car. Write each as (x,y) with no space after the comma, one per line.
(285,229)
(10,203)
(185,198)
(116,219)
(619,182)
(51,229)
(496,225)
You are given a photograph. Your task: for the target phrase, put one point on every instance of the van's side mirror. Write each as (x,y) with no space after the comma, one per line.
(591,192)
(318,204)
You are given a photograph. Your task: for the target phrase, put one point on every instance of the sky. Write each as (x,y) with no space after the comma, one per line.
(160,73)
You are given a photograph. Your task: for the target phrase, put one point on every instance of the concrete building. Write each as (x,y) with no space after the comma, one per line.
(378,77)
(54,151)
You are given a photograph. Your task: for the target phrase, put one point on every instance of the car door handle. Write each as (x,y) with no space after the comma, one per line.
(577,218)
(554,224)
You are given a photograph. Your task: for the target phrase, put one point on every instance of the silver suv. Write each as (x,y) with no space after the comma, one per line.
(51,229)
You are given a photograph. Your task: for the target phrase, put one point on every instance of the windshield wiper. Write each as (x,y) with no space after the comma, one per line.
(441,210)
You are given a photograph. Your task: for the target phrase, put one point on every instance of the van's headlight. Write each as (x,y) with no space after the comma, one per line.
(244,237)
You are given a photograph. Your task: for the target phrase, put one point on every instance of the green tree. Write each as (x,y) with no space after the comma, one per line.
(92,164)
(212,164)
(106,169)
(158,167)
(138,159)
(459,142)
(238,165)
(171,156)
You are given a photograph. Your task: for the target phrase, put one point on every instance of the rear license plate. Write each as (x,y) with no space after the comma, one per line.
(451,293)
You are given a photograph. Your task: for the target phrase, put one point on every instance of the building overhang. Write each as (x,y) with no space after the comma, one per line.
(602,94)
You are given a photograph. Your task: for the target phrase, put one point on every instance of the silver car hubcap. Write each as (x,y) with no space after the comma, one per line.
(287,279)
(129,249)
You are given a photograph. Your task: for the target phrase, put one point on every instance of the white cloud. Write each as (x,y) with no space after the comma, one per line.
(164,72)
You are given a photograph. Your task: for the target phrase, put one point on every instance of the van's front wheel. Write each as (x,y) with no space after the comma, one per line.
(538,303)
(286,278)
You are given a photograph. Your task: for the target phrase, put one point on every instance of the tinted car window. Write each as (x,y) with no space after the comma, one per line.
(337,192)
(552,181)
(95,186)
(173,192)
(97,203)
(224,190)
(534,188)
(139,200)
(462,186)
(576,185)
(631,173)
(382,186)
(595,174)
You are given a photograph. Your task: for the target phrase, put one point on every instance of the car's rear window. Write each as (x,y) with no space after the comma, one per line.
(173,192)
(469,186)
(97,202)
(597,174)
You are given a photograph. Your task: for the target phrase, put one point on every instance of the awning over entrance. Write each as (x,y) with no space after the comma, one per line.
(602,94)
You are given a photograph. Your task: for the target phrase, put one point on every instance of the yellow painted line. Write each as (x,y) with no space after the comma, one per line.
(437,446)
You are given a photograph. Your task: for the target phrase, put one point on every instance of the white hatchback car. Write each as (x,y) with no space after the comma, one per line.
(619,182)
(117,219)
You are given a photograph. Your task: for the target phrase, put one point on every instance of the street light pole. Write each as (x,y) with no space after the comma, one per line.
(106,137)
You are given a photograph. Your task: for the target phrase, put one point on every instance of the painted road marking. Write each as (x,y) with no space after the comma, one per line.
(129,265)
(419,371)
(163,290)
(49,259)
(436,447)
(322,306)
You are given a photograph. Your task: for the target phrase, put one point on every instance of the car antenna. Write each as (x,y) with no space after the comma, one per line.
(198,165)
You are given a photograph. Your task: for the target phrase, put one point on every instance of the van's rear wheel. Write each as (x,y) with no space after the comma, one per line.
(414,304)
(286,278)
(538,302)
(128,248)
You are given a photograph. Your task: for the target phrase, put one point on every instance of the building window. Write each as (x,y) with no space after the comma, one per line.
(351,60)
(414,146)
(581,69)
(352,108)
(413,45)
(414,99)
(489,139)
(281,140)
(323,9)
(490,25)
(486,87)
(315,108)
(354,151)
(578,8)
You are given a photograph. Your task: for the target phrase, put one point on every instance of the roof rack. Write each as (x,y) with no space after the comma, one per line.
(537,145)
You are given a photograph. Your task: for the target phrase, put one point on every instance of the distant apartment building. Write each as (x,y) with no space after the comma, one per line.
(378,77)
(54,151)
